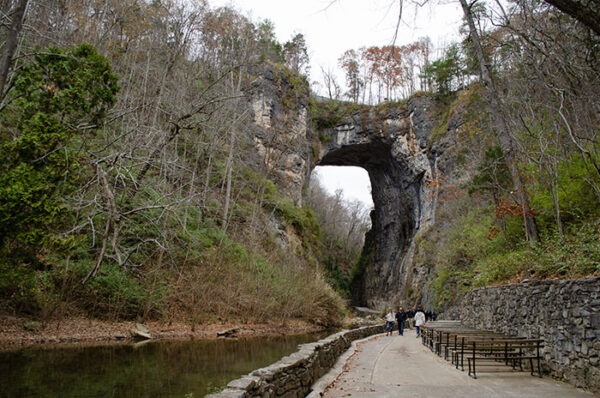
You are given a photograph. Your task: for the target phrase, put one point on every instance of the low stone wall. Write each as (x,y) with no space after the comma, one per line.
(293,376)
(566,314)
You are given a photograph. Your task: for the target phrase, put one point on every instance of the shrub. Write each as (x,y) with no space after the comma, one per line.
(18,288)
(116,294)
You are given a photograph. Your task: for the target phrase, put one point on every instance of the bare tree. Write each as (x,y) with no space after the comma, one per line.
(331,84)
(344,223)
(549,71)
(503,133)
(15,14)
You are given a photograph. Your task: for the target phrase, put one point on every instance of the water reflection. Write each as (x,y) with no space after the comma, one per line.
(158,369)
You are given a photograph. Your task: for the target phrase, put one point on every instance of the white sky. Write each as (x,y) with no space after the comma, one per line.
(332,27)
(353,181)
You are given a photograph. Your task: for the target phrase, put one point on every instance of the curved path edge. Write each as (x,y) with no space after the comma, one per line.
(319,388)
(401,367)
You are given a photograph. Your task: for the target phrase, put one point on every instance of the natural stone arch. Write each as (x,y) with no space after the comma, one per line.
(390,141)
(391,145)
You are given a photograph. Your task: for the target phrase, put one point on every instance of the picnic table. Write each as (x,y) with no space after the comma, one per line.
(481,348)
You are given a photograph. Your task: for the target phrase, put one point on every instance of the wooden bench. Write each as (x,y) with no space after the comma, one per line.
(462,345)
(493,351)
(439,337)
(482,348)
(429,329)
(450,340)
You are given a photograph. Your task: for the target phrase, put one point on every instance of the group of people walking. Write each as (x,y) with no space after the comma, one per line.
(404,319)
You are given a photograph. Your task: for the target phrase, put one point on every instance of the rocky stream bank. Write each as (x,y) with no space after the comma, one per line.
(19,332)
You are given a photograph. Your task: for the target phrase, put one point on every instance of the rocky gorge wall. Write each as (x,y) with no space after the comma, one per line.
(280,130)
(564,313)
(393,143)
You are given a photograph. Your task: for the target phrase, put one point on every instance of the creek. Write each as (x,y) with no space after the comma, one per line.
(190,368)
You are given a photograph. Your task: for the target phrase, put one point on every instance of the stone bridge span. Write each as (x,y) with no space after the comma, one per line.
(392,144)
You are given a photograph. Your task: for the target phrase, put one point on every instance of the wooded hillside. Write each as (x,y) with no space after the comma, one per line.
(130,186)
(543,68)
(517,191)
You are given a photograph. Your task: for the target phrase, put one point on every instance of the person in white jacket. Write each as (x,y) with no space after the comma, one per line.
(389,322)
(419,321)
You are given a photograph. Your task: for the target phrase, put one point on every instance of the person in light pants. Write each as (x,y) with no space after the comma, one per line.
(389,322)
(419,320)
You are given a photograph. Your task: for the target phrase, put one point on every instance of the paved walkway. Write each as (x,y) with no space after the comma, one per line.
(400,366)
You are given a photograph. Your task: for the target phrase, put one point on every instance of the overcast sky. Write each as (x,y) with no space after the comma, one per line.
(332,27)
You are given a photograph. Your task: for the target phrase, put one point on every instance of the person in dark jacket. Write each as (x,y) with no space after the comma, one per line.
(400,318)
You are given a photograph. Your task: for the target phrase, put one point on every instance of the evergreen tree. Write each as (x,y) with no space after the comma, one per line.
(57,99)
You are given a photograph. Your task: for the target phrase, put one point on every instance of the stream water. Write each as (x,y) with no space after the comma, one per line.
(191,368)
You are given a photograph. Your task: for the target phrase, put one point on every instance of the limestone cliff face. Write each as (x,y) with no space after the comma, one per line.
(280,130)
(393,144)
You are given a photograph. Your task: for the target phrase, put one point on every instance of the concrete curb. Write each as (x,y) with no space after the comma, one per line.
(294,375)
(318,389)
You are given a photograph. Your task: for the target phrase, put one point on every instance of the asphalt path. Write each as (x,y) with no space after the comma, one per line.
(400,366)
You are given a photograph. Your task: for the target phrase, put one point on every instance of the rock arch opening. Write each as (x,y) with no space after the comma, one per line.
(353,181)
(393,152)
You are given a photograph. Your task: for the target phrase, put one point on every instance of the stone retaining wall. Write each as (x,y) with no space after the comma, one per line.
(293,376)
(566,314)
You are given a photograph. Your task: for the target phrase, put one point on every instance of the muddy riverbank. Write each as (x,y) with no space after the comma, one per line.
(18,332)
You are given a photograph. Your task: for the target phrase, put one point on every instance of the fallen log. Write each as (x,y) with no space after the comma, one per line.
(228,333)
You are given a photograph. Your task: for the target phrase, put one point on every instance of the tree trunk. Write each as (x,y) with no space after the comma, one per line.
(11,43)
(502,130)
(229,176)
(110,221)
(585,11)
(236,89)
